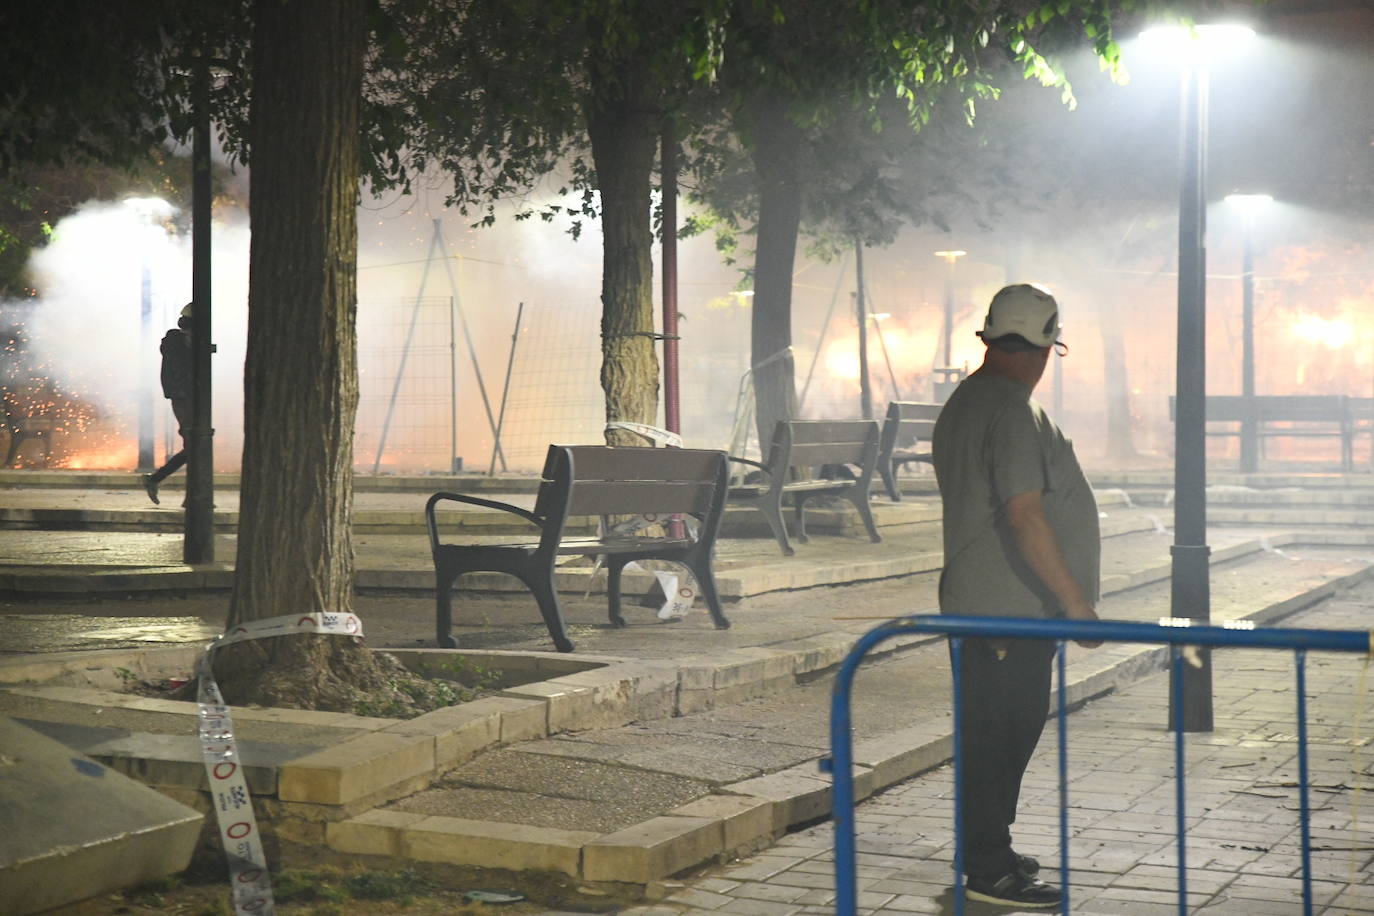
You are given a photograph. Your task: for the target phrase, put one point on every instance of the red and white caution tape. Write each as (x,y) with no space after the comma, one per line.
(250,882)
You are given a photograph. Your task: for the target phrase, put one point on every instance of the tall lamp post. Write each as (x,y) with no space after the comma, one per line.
(1190,588)
(949,378)
(1249,206)
(149,210)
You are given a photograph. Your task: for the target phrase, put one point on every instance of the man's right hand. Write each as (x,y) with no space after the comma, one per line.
(1084,612)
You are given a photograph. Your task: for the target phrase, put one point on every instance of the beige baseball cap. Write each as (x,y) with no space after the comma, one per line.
(1028,310)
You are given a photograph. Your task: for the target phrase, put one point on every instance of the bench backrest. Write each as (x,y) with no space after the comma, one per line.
(907,423)
(611,480)
(812,443)
(1292,408)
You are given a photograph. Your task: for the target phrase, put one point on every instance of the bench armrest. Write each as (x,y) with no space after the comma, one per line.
(434,500)
(761,466)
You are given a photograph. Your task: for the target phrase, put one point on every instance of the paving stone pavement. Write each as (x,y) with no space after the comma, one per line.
(1243,843)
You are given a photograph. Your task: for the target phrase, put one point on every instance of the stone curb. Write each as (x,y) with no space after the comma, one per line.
(732,583)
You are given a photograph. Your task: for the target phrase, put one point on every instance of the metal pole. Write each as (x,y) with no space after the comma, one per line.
(820,343)
(887,358)
(949,308)
(1249,440)
(146,461)
(1190,588)
(472,350)
(199,543)
(505,390)
(455,464)
(405,351)
(672,408)
(865,393)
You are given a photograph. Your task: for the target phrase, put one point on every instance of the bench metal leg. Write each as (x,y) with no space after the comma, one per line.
(443,612)
(542,587)
(706,581)
(613,571)
(889,471)
(860,502)
(773,512)
(801,517)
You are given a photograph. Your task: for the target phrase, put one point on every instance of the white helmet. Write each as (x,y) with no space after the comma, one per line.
(1025,309)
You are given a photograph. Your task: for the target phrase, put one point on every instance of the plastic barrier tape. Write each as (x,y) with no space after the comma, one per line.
(249,879)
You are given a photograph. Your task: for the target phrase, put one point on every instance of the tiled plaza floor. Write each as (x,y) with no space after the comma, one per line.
(1244,842)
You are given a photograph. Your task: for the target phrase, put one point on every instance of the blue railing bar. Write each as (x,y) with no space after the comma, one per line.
(841,766)
(1304,812)
(1178,633)
(1180,769)
(1063,704)
(841,762)
(956,664)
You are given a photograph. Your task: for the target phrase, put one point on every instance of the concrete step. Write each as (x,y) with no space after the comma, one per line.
(37,478)
(88,562)
(75,829)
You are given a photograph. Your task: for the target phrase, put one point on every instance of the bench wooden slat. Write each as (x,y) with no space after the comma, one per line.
(635,497)
(810,455)
(592,462)
(806,432)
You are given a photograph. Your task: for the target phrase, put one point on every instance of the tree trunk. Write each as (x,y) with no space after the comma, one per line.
(624,137)
(1116,384)
(295,545)
(776,149)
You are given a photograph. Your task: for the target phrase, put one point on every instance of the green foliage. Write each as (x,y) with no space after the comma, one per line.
(331,887)
(400,886)
(845,72)
(34,198)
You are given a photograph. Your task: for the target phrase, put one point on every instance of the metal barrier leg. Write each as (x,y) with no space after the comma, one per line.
(1063,705)
(1304,812)
(956,653)
(1180,780)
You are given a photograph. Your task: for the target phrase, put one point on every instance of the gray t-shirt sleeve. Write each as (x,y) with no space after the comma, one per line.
(1015,457)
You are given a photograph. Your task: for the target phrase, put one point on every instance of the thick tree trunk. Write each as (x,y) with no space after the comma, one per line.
(295,546)
(777,143)
(1116,384)
(624,137)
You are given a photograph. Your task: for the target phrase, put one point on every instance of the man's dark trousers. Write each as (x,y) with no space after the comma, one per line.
(1005,702)
(181,409)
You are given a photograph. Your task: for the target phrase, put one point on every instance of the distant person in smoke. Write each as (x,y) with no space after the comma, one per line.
(1021,540)
(177,377)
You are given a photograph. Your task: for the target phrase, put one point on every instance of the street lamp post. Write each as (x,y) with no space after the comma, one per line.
(861,316)
(949,377)
(198,545)
(149,210)
(1190,587)
(1249,205)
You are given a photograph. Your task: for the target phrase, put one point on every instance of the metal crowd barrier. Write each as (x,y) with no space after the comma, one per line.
(1176,633)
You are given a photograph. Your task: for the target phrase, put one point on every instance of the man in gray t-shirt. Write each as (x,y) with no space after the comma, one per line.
(1021,540)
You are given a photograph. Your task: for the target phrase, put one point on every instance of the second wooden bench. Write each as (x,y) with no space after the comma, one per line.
(810,458)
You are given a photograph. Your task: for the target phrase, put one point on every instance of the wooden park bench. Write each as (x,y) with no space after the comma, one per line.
(1298,416)
(907,432)
(810,458)
(593,480)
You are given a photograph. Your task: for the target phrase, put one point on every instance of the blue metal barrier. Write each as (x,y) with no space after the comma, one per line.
(1176,633)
